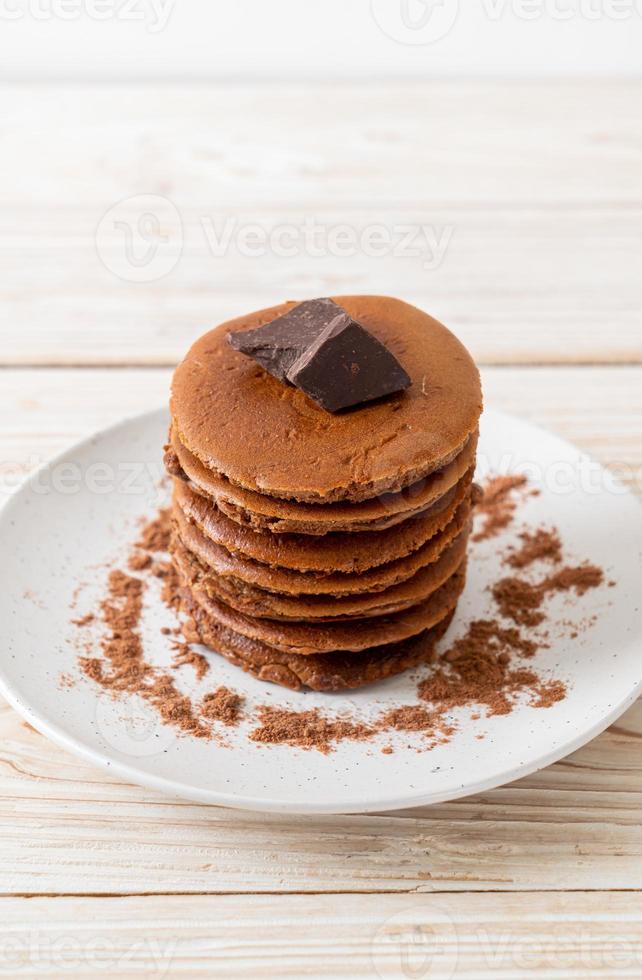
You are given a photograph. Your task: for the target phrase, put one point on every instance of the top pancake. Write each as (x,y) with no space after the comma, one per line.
(269,437)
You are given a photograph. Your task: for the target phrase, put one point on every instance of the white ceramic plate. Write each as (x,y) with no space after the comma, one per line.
(77,517)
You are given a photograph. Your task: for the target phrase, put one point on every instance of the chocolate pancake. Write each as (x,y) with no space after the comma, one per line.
(353,635)
(261,512)
(321,672)
(336,552)
(273,579)
(269,437)
(271,605)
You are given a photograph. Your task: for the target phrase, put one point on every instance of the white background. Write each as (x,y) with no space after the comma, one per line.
(169,39)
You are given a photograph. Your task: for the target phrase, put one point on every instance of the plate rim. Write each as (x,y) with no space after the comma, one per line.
(188,791)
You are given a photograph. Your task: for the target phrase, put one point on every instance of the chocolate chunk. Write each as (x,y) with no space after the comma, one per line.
(345,366)
(318,347)
(278,344)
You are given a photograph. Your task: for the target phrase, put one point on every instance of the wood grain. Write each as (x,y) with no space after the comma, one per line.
(541,259)
(386,936)
(518,286)
(67,828)
(534,192)
(526,143)
(43,411)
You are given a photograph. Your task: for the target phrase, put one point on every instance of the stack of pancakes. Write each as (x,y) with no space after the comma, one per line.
(320,550)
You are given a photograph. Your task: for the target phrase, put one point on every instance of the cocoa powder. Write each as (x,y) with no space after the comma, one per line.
(153,538)
(185,656)
(138,561)
(478,680)
(124,669)
(409,718)
(173,707)
(548,693)
(497,507)
(522,601)
(223,705)
(84,620)
(155,534)
(543,544)
(489,635)
(580,578)
(306,729)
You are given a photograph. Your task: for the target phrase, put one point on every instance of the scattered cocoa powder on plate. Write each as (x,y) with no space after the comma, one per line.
(477,670)
(542,544)
(139,560)
(497,507)
(223,705)
(522,601)
(185,656)
(415,718)
(409,718)
(154,537)
(84,620)
(479,680)
(174,707)
(155,534)
(306,729)
(580,578)
(123,668)
(548,693)
(490,636)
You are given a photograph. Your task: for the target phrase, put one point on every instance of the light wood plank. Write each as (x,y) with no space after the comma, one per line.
(543,265)
(67,828)
(518,286)
(43,411)
(419,143)
(386,936)
(535,186)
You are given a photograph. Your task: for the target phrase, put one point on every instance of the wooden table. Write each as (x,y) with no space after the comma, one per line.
(537,188)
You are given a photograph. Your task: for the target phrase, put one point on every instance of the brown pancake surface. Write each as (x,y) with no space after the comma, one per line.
(269,437)
(353,635)
(321,672)
(336,552)
(256,602)
(273,579)
(261,512)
